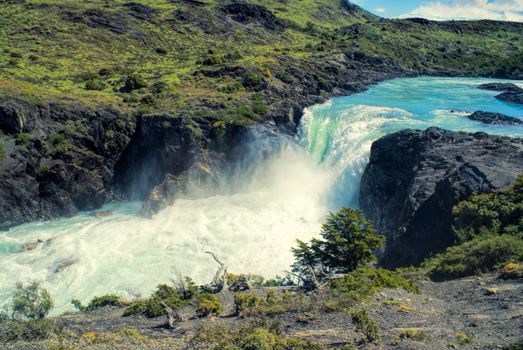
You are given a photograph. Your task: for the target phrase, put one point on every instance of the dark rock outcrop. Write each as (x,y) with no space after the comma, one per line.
(249,13)
(494,118)
(511,92)
(58,159)
(170,156)
(511,97)
(414,178)
(499,87)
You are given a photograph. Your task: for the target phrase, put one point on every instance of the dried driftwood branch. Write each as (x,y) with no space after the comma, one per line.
(219,282)
(172,316)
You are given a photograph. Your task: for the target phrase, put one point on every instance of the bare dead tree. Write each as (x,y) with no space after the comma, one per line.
(219,282)
(172,316)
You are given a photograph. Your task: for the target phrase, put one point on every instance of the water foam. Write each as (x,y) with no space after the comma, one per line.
(281,191)
(251,229)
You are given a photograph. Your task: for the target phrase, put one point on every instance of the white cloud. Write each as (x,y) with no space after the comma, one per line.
(507,10)
(380,10)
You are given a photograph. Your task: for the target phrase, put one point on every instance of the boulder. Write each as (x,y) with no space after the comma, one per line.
(511,92)
(494,118)
(511,97)
(499,87)
(415,177)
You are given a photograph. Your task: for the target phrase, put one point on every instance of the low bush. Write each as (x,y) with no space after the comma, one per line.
(362,283)
(174,297)
(23,138)
(285,77)
(256,335)
(13,330)
(480,255)
(490,214)
(252,279)
(31,301)
(95,85)
(414,334)
(133,82)
(366,325)
(104,300)
(208,305)
(512,270)
(243,302)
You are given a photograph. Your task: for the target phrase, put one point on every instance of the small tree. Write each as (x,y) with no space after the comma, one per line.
(347,242)
(32,301)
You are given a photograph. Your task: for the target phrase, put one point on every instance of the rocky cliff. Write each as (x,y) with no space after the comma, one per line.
(57,159)
(415,177)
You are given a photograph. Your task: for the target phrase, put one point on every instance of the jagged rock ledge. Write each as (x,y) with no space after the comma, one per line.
(415,177)
(510,92)
(494,118)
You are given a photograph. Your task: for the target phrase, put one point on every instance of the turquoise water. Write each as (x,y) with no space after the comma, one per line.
(339,134)
(253,225)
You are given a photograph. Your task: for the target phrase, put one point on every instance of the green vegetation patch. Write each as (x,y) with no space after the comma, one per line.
(362,283)
(174,297)
(490,214)
(477,256)
(256,335)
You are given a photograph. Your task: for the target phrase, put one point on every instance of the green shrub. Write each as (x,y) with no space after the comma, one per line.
(231,88)
(13,330)
(256,335)
(78,305)
(31,301)
(212,60)
(285,77)
(493,213)
(60,143)
(158,87)
(414,334)
(258,105)
(104,300)
(137,307)
(347,242)
(366,325)
(244,301)
(174,297)
(2,151)
(23,138)
(477,256)
(208,305)
(94,85)
(254,79)
(362,283)
(253,279)
(133,82)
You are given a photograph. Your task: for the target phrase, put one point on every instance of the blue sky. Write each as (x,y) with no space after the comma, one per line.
(511,10)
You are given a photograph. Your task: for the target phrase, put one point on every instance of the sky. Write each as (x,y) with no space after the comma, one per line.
(508,10)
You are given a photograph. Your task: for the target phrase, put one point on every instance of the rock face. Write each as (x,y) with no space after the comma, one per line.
(170,156)
(58,159)
(415,177)
(494,118)
(511,92)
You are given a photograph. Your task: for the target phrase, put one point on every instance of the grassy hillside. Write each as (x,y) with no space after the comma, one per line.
(160,55)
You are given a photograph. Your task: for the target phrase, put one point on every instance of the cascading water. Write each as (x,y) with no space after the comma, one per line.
(281,191)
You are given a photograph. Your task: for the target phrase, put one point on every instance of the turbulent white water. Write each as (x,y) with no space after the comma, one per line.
(252,225)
